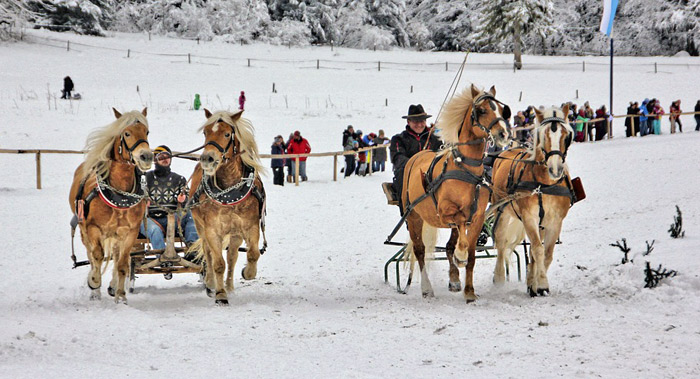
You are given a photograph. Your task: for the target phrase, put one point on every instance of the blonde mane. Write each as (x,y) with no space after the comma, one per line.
(452,116)
(100,141)
(244,131)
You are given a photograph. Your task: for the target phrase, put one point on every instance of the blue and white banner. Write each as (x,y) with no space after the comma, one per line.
(609,9)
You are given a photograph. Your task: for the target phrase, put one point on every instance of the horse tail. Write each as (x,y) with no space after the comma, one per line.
(108,246)
(197,247)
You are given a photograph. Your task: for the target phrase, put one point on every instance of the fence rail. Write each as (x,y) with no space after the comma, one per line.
(334,154)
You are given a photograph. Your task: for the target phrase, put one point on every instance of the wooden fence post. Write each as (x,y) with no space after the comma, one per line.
(446,67)
(521,96)
(335,167)
(128,53)
(318,63)
(68,47)
(296,171)
(189,58)
(584,66)
(248,62)
(38,170)
(656,71)
(379,66)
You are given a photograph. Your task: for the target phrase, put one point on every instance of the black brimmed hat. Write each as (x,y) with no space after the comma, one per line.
(416,112)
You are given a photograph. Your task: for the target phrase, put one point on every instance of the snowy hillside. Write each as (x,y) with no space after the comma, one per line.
(319,306)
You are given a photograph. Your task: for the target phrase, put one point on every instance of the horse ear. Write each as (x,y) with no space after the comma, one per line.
(237,115)
(207,114)
(493,90)
(144,112)
(566,111)
(540,115)
(116,113)
(475,91)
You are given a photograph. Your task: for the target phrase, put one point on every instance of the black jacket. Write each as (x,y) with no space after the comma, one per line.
(346,135)
(407,144)
(67,84)
(163,188)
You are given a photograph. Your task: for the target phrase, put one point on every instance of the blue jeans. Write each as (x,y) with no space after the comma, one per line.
(378,166)
(156,235)
(302,169)
(643,127)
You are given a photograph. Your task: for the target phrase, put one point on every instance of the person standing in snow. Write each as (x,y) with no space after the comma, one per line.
(67,88)
(697,116)
(675,116)
(379,155)
(241,101)
(644,118)
(299,145)
(277,164)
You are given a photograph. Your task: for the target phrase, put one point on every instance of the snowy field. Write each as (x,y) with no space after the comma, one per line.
(320,307)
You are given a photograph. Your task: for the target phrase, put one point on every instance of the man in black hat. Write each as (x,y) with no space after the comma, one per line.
(416,137)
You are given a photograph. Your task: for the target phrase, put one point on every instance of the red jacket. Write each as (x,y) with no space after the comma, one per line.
(299,147)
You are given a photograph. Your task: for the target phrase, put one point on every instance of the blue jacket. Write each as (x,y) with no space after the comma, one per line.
(645,112)
(277,149)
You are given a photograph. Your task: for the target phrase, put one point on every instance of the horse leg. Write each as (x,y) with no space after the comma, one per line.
(471,237)
(231,258)
(92,241)
(508,233)
(121,265)
(550,239)
(209,281)
(415,230)
(536,265)
(455,285)
(252,238)
(217,266)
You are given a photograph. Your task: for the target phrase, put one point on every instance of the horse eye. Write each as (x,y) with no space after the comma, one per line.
(127,134)
(227,135)
(147,133)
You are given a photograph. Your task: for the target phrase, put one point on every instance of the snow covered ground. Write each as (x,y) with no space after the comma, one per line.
(319,306)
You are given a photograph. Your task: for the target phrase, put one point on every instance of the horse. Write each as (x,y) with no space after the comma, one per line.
(453,180)
(224,213)
(532,194)
(117,155)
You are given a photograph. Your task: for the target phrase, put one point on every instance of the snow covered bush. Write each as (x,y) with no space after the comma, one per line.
(91,17)
(287,32)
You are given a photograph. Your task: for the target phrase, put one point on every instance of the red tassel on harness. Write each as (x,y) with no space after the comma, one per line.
(80,210)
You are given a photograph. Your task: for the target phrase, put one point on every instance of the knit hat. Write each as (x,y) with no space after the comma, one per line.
(162,149)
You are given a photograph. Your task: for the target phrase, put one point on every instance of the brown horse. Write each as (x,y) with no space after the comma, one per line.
(454,183)
(222,206)
(117,155)
(532,194)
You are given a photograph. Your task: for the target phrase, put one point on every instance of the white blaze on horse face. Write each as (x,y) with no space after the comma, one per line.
(555,163)
(215,128)
(501,137)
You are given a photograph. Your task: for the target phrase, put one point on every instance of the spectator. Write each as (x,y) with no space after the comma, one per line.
(299,145)
(277,164)
(521,135)
(630,120)
(581,122)
(241,101)
(379,155)
(350,145)
(289,161)
(675,116)
(197,102)
(348,133)
(601,128)
(166,190)
(589,115)
(644,118)
(361,168)
(416,137)
(658,111)
(697,116)
(67,88)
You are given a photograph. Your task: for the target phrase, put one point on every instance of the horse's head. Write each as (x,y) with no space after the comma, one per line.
(133,145)
(554,137)
(220,142)
(486,118)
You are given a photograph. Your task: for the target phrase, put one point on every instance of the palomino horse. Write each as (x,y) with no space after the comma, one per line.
(532,194)
(117,156)
(222,208)
(453,180)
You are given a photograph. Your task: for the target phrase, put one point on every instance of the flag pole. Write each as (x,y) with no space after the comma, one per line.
(611,88)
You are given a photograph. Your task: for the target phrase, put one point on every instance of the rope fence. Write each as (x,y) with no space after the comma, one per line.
(341,64)
(335,154)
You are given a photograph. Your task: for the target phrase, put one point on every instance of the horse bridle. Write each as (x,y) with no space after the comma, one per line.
(553,124)
(132,148)
(224,150)
(475,118)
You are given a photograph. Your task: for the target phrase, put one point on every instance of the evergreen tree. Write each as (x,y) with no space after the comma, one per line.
(390,15)
(514,19)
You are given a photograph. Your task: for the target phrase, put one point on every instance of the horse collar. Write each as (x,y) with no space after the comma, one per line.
(119,199)
(231,195)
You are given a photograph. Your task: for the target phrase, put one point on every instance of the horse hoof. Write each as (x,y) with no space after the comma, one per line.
(95,295)
(210,293)
(455,286)
(110,291)
(543,291)
(243,274)
(470,297)
(221,302)
(531,292)
(428,294)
